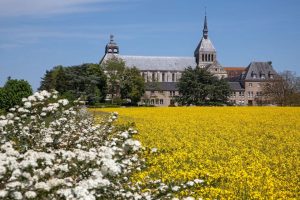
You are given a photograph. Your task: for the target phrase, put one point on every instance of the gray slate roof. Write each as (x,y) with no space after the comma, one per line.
(161,86)
(205,45)
(155,62)
(236,86)
(258,68)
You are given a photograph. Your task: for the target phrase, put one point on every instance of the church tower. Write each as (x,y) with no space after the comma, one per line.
(205,53)
(112,47)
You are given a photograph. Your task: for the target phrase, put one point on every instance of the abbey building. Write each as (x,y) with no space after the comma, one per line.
(161,74)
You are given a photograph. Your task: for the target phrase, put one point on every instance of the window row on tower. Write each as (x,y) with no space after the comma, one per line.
(208,57)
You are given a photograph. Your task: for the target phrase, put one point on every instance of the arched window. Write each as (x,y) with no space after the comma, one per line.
(205,57)
(202,57)
(153,76)
(208,57)
(212,57)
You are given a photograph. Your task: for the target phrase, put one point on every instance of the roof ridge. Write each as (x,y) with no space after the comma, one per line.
(157,56)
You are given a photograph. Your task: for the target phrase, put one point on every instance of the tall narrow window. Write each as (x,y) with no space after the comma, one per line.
(205,57)
(212,57)
(163,77)
(202,57)
(145,76)
(173,77)
(208,57)
(153,76)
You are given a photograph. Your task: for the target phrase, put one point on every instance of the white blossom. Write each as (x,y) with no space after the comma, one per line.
(199,181)
(30,194)
(27,104)
(64,102)
(17,195)
(3,193)
(175,188)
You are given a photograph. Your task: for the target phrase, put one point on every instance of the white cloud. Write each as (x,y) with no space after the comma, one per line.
(46,7)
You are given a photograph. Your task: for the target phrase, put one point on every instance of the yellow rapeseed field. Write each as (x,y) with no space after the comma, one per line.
(239,152)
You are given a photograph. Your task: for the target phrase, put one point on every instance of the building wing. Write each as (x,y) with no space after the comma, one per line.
(155,63)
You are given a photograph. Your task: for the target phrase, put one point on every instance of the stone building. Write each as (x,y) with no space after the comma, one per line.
(161,74)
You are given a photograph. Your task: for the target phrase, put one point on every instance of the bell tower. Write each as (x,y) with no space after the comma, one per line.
(112,47)
(205,53)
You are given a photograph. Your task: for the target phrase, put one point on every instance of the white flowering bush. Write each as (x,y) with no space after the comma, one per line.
(51,149)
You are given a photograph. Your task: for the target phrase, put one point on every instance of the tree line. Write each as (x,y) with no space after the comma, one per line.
(112,81)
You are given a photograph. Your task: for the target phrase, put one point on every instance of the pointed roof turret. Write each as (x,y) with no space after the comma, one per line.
(205,28)
(205,52)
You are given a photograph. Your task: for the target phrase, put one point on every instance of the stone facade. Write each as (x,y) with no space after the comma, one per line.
(162,73)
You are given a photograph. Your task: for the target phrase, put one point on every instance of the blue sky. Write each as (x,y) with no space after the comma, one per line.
(36,35)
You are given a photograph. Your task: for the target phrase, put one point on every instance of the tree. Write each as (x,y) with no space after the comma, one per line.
(199,87)
(114,69)
(132,85)
(283,90)
(87,81)
(13,92)
(124,83)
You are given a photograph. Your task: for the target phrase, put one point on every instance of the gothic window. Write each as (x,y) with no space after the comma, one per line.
(153,76)
(163,77)
(205,57)
(208,57)
(212,57)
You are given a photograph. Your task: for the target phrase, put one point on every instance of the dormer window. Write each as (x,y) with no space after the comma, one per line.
(271,76)
(262,75)
(253,74)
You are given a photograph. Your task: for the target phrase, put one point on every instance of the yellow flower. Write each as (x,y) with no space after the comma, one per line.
(239,152)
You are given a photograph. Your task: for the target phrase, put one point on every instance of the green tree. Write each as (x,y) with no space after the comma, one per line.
(87,81)
(13,92)
(114,69)
(199,87)
(132,85)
